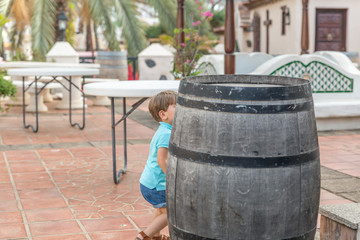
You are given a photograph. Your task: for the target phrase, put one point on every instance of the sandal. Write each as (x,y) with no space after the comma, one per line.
(145,237)
(161,237)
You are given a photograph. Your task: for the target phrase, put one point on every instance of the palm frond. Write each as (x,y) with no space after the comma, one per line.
(5,7)
(16,38)
(42,25)
(100,14)
(133,33)
(167,14)
(21,14)
(3,20)
(84,11)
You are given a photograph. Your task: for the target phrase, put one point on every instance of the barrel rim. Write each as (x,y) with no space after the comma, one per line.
(205,87)
(223,78)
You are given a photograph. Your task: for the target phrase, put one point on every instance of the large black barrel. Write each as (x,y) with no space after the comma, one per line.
(243,159)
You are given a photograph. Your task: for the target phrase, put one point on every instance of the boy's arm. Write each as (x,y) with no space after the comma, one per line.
(162,158)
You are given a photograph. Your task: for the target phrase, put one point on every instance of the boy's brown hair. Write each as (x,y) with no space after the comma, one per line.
(161,101)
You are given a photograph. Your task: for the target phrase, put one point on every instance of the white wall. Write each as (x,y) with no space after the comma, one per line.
(276,40)
(275,37)
(290,43)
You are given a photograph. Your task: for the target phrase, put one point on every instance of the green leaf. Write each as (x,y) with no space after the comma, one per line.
(42,25)
(6,88)
(133,33)
(101,14)
(3,20)
(5,7)
(166,10)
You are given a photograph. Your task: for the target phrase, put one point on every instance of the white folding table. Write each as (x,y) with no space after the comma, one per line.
(125,89)
(54,72)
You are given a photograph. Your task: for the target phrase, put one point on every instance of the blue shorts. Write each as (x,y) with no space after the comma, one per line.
(154,197)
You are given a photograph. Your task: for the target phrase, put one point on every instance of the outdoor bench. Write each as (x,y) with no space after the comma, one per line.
(32,104)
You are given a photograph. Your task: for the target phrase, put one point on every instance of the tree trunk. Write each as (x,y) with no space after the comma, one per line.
(96,39)
(2,51)
(89,42)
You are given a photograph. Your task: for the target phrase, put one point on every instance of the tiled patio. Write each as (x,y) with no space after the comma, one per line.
(57,183)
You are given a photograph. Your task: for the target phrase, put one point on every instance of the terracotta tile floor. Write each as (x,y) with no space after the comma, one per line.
(66,191)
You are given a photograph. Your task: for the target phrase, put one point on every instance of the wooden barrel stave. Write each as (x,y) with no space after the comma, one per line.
(267,195)
(112,64)
(267,203)
(230,133)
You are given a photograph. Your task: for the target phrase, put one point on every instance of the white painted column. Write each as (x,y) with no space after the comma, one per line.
(32,104)
(63,52)
(47,96)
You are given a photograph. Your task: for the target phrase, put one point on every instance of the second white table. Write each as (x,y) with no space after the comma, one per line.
(124,89)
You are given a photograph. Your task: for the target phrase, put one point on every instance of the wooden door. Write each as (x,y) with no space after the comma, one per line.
(330,29)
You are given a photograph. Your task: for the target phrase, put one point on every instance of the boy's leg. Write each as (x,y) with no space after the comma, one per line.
(157,213)
(158,223)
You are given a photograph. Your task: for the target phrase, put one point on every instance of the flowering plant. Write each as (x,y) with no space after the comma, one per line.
(187,53)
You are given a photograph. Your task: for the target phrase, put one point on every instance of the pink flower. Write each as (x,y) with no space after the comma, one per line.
(188,36)
(211,2)
(183,44)
(196,23)
(197,2)
(207,14)
(200,8)
(187,61)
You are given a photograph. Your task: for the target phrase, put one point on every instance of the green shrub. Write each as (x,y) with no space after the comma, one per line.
(154,31)
(7,89)
(218,19)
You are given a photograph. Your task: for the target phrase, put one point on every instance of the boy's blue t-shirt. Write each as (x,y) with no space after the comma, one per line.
(153,176)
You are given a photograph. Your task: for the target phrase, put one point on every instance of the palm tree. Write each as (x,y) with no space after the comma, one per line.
(21,16)
(41,15)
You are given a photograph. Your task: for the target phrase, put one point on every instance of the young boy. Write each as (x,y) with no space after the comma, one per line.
(152,181)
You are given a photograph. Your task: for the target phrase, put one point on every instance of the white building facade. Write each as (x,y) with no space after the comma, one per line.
(274,26)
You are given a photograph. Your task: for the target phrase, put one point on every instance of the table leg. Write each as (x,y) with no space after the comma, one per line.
(36,107)
(83,113)
(125,136)
(117,175)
